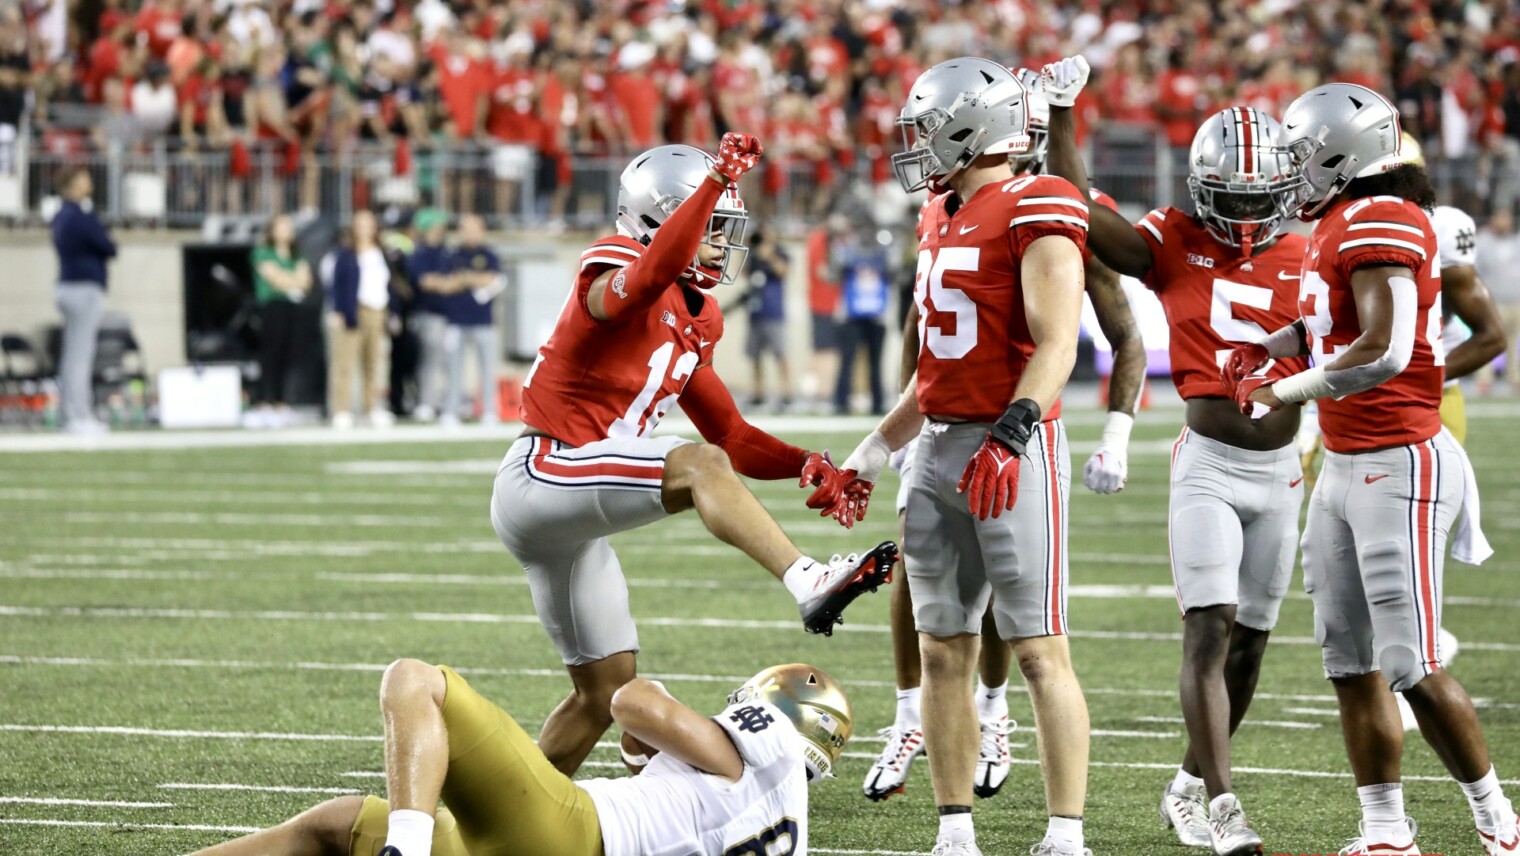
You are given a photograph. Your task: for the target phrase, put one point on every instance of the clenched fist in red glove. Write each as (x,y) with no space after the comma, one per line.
(1247,399)
(839,494)
(1244,360)
(737,154)
(991,479)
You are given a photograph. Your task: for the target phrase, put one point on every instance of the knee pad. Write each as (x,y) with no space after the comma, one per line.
(1401,667)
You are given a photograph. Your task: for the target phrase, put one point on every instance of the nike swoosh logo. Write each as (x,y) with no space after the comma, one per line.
(1371,479)
(1296,482)
(1281,275)
(966,229)
(702,343)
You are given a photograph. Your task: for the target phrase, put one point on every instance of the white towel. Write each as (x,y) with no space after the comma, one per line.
(1468,544)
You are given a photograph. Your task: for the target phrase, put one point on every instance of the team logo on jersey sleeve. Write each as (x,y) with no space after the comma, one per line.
(619,285)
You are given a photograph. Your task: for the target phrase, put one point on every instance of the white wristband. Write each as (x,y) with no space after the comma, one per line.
(635,760)
(1304,386)
(869,457)
(1116,430)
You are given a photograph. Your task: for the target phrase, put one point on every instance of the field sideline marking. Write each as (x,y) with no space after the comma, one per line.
(175,732)
(126,824)
(269,789)
(103,803)
(507,618)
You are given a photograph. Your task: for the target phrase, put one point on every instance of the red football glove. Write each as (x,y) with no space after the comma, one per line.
(1244,360)
(1243,393)
(839,494)
(737,154)
(991,479)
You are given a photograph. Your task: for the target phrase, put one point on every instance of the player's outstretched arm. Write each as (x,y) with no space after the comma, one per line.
(1387,304)
(674,246)
(711,408)
(645,710)
(1110,236)
(1467,298)
(1108,468)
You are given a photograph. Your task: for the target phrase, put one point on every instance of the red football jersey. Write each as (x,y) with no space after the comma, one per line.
(1106,201)
(1217,299)
(973,336)
(595,380)
(1377,230)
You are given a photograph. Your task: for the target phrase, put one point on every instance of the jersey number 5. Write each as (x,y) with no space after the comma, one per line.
(1227,295)
(779,840)
(930,283)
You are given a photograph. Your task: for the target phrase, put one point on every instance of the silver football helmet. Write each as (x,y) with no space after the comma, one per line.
(1032,161)
(1337,133)
(957,111)
(657,182)
(816,705)
(1242,178)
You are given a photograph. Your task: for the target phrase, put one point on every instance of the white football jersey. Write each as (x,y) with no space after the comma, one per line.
(1456,244)
(1456,236)
(674,809)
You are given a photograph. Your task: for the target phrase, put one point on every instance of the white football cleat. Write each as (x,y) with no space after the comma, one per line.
(844,578)
(1396,840)
(1228,833)
(890,772)
(1505,841)
(958,848)
(1187,812)
(993,760)
(1049,847)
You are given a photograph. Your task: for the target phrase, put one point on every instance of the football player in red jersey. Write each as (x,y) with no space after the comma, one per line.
(635,337)
(1393,480)
(999,296)
(1104,473)
(1224,277)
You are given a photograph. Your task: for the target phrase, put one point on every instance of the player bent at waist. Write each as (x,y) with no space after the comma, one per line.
(747,769)
(636,337)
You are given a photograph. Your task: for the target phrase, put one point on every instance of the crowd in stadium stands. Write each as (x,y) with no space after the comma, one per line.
(498,82)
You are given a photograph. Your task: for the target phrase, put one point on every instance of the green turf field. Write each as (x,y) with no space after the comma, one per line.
(191,644)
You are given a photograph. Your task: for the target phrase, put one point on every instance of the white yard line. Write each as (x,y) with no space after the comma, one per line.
(126,824)
(182,733)
(1313,711)
(267,789)
(501,618)
(101,803)
(326,499)
(1260,771)
(1254,723)
(238,518)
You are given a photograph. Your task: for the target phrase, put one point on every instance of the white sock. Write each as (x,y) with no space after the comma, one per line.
(1065,830)
(1185,781)
(991,702)
(1218,801)
(798,578)
(908,710)
(411,832)
(956,828)
(1382,805)
(1487,800)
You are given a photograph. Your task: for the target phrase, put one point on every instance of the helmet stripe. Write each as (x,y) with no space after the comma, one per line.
(1247,140)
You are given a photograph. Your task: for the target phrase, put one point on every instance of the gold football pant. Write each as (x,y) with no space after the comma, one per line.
(1454,412)
(501,796)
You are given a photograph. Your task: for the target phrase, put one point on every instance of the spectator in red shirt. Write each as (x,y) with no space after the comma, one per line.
(1128,95)
(823,300)
(515,121)
(158,25)
(638,97)
(1180,100)
(112,55)
(464,86)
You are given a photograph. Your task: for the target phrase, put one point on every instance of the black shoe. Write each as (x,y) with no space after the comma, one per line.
(842,580)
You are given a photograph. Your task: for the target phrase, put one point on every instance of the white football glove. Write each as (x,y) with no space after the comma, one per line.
(1064,80)
(869,458)
(1108,468)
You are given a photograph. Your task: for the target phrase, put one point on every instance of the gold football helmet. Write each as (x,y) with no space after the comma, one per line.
(815,704)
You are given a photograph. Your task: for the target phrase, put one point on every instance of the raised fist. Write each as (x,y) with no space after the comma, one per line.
(737,154)
(1064,80)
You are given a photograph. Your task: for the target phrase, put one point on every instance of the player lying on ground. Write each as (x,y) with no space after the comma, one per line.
(636,337)
(1225,275)
(735,784)
(999,296)
(1393,481)
(1105,473)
